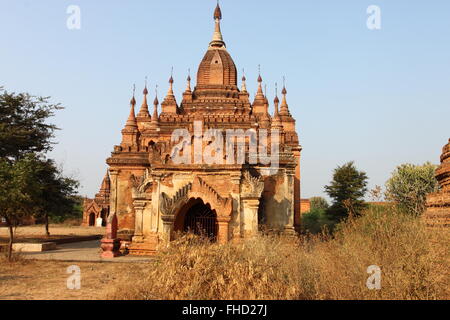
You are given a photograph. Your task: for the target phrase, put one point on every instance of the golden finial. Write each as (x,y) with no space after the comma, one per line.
(133,100)
(276,93)
(145,88)
(156,102)
(259,73)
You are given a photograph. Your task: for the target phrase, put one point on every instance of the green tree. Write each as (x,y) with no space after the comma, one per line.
(23,124)
(409,186)
(319,203)
(347,189)
(29,183)
(17,192)
(55,197)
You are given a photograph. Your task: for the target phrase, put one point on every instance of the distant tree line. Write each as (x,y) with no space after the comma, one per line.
(407,189)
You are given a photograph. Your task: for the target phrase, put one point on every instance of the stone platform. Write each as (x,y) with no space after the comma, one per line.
(87,251)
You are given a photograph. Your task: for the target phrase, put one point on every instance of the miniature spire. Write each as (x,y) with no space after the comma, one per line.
(188,87)
(155,103)
(284,106)
(217,40)
(276,123)
(131,121)
(244,85)
(260,99)
(133,100)
(276,100)
(260,92)
(106,182)
(143,112)
(170,92)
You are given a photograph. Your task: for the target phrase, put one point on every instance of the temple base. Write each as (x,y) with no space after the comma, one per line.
(148,246)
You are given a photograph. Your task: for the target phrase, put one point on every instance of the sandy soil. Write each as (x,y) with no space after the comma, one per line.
(47,280)
(56,231)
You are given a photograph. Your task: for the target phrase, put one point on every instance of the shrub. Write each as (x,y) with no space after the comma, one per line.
(319,203)
(316,221)
(409,186)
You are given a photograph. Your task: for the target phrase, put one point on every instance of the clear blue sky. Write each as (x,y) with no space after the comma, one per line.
(380,98)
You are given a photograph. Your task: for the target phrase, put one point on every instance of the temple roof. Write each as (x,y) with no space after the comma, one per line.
(217,73)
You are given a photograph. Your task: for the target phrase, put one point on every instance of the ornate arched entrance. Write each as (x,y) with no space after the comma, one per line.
(197,217)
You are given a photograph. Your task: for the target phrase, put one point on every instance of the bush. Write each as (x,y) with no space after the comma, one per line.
(409,186)
(413,260)
(319,203)
(316,221)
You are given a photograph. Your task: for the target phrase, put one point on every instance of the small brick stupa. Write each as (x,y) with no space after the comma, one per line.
(438,204)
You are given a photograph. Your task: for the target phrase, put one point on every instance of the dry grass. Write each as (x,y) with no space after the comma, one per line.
(414,263)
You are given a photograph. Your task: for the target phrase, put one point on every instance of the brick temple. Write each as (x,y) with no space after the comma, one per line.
(438,203)
(149,196)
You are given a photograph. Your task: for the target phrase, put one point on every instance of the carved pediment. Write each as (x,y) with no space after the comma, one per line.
(141,185)
(252,186)
(169,204)
(201,189)
(198,189)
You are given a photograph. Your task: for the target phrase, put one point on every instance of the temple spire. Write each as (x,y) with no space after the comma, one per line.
(284,106)
(143,112)
(260,80)
(106,183)
(244,85)
(260,99)
(188,86)
(217,41)
(276,123)
(131,121)
(170,92)
(155,104)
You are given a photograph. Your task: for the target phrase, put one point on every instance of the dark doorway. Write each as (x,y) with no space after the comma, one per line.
(104,216)
(201,220)
(92,219)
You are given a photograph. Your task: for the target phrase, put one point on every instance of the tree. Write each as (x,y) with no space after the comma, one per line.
(23,124)
(29,183)
(347,189)
(409,186)
(16,193)
(319,203)
(55,196)
(317,219)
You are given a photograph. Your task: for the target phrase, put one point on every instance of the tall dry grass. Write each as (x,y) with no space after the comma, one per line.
(414,263)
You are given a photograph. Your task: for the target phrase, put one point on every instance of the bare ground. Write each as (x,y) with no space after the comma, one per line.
(47,280)
(57,231)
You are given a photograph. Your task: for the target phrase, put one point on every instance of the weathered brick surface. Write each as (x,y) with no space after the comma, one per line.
(150,194)
(438,204)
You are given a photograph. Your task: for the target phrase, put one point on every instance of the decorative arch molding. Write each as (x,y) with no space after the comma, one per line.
(93,207)
(199,189)
(141,185)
